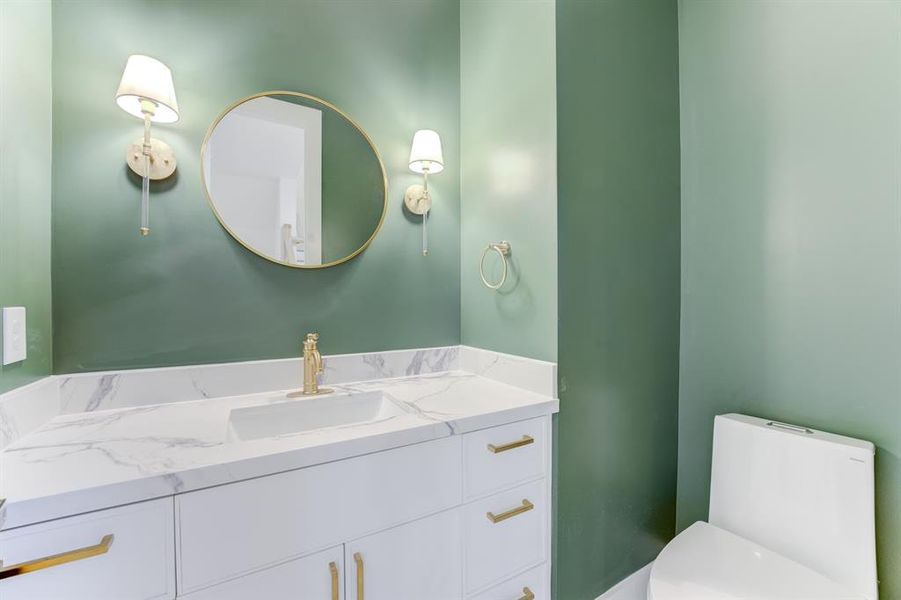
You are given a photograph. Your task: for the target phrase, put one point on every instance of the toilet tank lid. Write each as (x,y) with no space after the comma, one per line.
(705,562)
(802,431)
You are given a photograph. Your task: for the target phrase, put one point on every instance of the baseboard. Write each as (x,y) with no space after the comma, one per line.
(633,587)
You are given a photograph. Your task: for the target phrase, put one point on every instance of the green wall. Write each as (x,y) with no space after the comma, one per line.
(509,189)
(352,205)
(188,293)
(25,179)
(791,247)
(618,232)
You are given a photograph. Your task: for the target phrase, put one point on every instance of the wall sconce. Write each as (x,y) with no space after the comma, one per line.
(146,91)
(425,158)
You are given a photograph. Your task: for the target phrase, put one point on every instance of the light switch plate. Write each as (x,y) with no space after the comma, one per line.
(14,343)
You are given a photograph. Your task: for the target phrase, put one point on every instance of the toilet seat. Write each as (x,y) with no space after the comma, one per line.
(705,562)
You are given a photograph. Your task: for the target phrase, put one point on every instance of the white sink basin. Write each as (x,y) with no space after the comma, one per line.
(306,414)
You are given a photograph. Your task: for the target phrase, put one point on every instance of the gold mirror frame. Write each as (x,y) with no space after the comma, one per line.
(347,118)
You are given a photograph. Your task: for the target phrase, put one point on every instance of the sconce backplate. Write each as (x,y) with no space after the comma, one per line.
(162,158)
(417,200)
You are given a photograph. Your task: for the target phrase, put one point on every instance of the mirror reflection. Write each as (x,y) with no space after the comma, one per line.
(294,180)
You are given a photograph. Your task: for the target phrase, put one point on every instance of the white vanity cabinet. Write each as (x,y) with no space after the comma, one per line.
(466,516)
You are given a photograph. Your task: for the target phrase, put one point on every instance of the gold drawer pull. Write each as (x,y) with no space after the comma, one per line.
(526,507)
(527,594)
(333,569)
(525,441)
(57,559)
(359,560)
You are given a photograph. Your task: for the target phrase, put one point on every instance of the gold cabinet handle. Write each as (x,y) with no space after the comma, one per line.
(58,559)
(527,594)
(526,507)
(359,560)
(525,441)
(333,569)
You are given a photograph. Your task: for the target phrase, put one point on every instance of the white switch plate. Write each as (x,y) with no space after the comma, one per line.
(14,343)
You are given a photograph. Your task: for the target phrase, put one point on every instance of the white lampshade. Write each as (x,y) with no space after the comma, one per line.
(425,154)
(148,79)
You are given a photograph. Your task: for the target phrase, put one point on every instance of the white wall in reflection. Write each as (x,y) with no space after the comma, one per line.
(263,166)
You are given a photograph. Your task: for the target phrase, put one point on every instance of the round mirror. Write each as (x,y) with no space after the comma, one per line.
(294,179)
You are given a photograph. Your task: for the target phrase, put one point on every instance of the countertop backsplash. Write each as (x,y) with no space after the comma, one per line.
(86,392)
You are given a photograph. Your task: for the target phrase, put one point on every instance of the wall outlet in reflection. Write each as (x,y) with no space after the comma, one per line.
(14,343)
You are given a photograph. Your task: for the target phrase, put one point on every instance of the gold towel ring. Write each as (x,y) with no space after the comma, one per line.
(503,249)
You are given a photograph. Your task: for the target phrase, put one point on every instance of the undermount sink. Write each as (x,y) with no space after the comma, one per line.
(307,414)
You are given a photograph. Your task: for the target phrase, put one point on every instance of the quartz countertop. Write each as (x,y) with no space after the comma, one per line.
(76,463)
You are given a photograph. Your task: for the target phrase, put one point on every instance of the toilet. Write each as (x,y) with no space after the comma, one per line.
(792,517)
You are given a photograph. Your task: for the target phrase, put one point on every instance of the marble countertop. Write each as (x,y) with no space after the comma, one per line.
(76,463)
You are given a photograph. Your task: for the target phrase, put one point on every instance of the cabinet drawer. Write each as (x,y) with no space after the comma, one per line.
(137,564)
(234,529)
(505,534)
(504,456)
(319,576)
(534,581)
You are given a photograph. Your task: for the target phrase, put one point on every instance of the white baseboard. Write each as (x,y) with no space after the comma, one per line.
(633,587)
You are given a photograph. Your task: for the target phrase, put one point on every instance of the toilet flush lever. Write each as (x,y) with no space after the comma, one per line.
(789,426)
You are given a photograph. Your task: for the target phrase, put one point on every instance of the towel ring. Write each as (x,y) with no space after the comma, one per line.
(503,249)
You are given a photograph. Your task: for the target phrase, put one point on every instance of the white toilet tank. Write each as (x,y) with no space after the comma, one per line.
(806,494)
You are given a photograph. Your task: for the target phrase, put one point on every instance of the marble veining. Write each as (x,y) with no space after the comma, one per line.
(105,387)
(101,458)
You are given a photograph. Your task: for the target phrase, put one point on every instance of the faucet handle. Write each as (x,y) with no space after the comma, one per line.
(310,342)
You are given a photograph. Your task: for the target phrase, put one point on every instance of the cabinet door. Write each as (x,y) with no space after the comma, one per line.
(316,577)
(417,561)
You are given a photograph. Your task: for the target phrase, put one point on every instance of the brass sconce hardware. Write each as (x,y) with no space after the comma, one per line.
(426,158)
(147,92)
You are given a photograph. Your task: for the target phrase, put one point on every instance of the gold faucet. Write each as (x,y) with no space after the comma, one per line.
(312,368)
